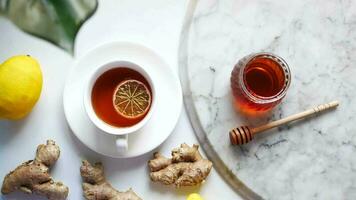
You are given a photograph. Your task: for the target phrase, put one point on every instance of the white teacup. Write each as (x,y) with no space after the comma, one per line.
(121,133)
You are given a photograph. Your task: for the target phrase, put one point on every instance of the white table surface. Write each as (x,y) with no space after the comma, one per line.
(156,24)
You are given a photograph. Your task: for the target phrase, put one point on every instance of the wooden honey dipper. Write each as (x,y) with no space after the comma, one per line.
(243,134)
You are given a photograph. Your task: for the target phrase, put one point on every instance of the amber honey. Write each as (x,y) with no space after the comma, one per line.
(259,82)
(103,91)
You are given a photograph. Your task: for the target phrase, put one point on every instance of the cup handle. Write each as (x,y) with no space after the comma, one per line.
(122,144)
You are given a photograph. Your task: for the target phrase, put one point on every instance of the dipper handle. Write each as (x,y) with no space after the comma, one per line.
(244,134)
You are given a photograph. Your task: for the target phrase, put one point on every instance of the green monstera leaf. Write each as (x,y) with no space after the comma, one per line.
(57,21)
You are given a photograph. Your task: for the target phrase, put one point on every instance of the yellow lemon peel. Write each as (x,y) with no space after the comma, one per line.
(20,86)
(194,196)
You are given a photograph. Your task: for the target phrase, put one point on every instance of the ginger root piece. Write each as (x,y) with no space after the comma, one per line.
(185,168)
(96,187)
(33,176)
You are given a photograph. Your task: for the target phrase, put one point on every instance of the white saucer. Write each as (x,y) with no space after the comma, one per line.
(165,115)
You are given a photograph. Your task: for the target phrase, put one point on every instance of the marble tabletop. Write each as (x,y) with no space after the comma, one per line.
(310,159)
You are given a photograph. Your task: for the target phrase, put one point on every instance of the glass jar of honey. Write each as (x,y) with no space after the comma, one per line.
(259,82)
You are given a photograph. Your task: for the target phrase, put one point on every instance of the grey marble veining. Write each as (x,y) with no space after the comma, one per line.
(310,159)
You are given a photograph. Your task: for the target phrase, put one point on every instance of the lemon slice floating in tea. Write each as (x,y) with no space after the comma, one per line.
(132,99)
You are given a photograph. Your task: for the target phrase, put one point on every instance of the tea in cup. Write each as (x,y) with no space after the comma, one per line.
(119,99)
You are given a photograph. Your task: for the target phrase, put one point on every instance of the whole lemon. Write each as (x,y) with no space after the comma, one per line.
(20,86)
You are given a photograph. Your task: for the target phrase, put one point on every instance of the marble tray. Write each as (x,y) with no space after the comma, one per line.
(311,159)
